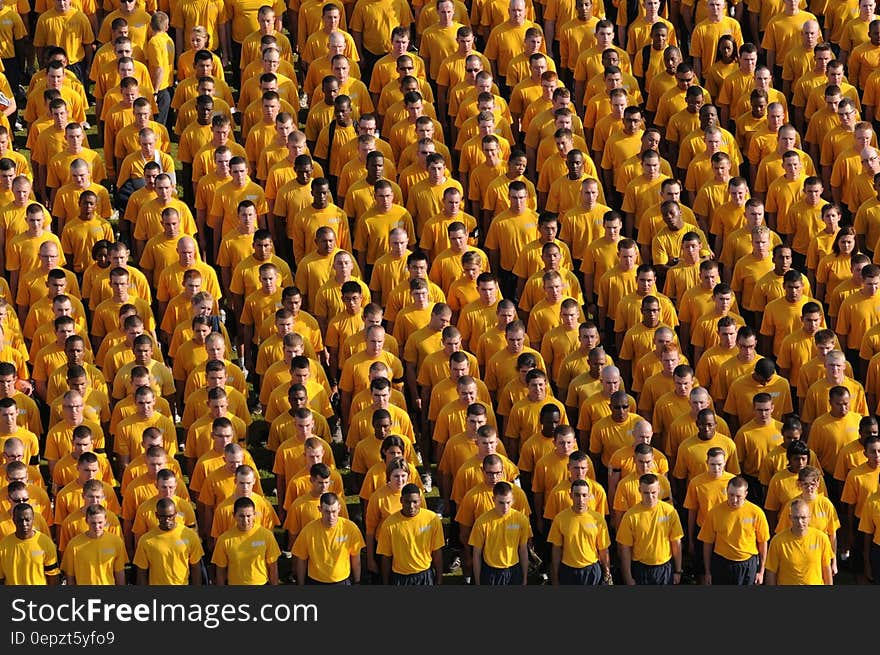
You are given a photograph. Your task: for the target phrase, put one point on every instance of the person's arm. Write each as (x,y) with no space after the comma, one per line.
(605,563)
(851,527)
(272,570)
(691,532)
(580,87)
(345,399)
(220,578)
(386,570)
(301,569)
(195,574)
(555,561)
(770,578)
(358,44)
(226,281)
(762,559)
(869,574)
(437,562)
(225,39)
(355,564)
(128,536)
(687,18)
(675,544)
(511,444)
(538,502)
(771,60)
(89,51)
(613,479)
(118,578)
(524,562)
(708,547)
(772,518)
(477,564)
(372,564)
(142,577)
(827,578)
(626,564)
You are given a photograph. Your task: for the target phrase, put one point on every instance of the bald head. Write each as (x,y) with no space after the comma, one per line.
(611,373)
(642,431)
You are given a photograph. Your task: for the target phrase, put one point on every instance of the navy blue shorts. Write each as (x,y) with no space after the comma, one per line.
(422,579)
(589,576)
(492,577)
(650,574)
(729,572)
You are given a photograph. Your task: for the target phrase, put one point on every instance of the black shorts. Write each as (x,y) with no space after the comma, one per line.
(699,562)
(729,572)
(652,574)
(422,579)
(857,553)
(492,577)
(341,583)
(756,491)
(875,562)
(589,576)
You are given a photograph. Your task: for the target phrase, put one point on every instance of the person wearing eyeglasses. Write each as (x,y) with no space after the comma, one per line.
(17,494)
(801,555)
(823,514)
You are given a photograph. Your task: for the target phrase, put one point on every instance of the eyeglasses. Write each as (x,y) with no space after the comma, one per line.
(20,500)
(472,70)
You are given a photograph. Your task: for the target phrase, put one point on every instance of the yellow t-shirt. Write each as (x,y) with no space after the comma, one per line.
(168,555)
(649,531)
(500,537)
(799,560)
(410,541)
(580,535)
(328,550)
(246,555)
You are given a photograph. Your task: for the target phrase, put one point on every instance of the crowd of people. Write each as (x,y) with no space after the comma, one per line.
(604,273)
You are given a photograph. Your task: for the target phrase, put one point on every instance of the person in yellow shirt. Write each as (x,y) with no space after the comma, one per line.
(649,538)
(246,554)
(859,312)
(170,553)
(858,489)
(410,542)
(580,542)
(28,557)
(800,555)
(372,235)
(781,316)
(500,542)
(327,550)
(509,233)
(734,538)
(704,493)
(96,557)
